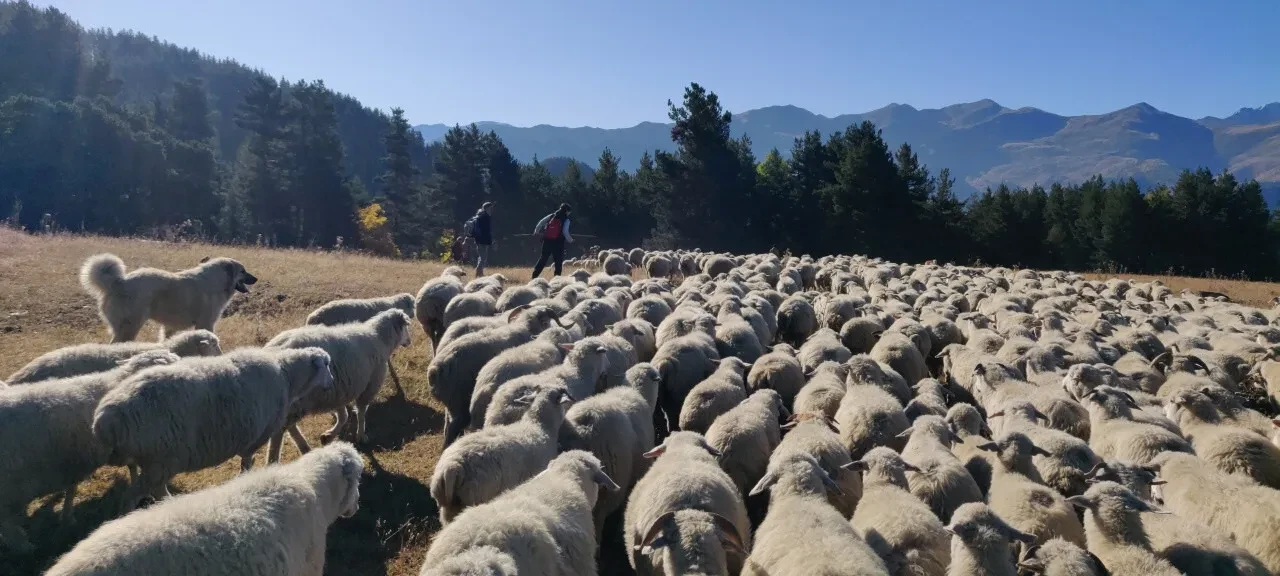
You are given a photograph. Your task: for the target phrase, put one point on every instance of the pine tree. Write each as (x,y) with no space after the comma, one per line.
(261,180)
(328,210)
(401,189)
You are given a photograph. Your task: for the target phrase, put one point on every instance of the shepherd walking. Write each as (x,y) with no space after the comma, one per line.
(482,234)
(554,231)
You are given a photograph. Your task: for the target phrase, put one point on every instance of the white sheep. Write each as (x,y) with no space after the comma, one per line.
(481,465)
(431,301)
(542,526)
(778,370)
(817,436)
(718,393)
(48,440)
(869,417)
(89,358)
(824,391)
(359,354)
(468,304)
(543,353)
(686,512)
(1114,528)
(1019,497)
(981,543)
(350,310)
(453,370)
(802,534)
(898,526)
(1231,449)
(1069,458)
(942,481)
(1193,488)
(201,411)
(270,521)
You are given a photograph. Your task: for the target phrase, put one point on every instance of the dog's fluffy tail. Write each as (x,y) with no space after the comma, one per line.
(101,274)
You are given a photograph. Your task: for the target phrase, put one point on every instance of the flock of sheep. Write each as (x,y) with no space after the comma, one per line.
(761,415)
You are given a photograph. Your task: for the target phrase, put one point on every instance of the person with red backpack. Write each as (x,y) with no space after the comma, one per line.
(553,229)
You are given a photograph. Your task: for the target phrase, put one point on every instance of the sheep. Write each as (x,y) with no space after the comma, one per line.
(430,303)
(48,430)
(941,481)
(1116,437)
(542,526)
(610,425)
(453,370)
(797,320)
(1017,495)
(594,316)
(1057,557)
(1069,458)
(1231,449)
(89,358)
(824,391)
(777,370)
(1061,412)
(902,354)
(683,362)
(817,436)
(734,335)
(899,527)
(981,542)
(614,264)
(718,393)
(863,370)
(639,334)
(358,310)
(202,411)
(359,353)
(481,465)
(468,304)
(869,417)
(517,296)
(930,399)
(823,346)
(745,437)
(270,521)
(652,309)
(1115,533)
(542,353)
(686,516)
(802,534)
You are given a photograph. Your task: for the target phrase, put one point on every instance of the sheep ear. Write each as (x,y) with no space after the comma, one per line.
(729,534)
(655,452)
(1038,451)
(856,466)
(653,535)
(511,316)
(604,480)
(905,433)
(205,259)
(909,467)
(765,482)
(989,446)
(996,414)
(1129,400)
(793,423)
(567,347)
(1082,502)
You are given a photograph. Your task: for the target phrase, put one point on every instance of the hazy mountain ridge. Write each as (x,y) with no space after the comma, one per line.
(984,143)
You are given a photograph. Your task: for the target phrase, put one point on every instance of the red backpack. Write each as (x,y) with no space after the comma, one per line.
(553,229)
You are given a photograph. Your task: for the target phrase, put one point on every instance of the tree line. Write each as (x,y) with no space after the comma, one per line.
(106,136)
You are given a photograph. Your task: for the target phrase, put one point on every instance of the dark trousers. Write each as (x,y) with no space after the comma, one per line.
(550,249)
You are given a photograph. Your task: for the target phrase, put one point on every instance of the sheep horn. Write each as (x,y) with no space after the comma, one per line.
(556,319)
(653,532)
(1198,363)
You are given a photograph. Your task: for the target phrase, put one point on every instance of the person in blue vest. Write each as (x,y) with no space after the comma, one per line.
(482,233)
(553,229)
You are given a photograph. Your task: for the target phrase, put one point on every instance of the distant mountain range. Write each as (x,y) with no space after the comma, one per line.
(984,143)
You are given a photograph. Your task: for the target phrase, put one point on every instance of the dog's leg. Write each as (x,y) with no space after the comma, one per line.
(362,411)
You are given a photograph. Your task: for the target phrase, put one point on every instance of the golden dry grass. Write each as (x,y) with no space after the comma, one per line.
(1257,294)
(42,307)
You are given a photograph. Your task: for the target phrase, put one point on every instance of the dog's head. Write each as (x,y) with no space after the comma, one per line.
(238,278)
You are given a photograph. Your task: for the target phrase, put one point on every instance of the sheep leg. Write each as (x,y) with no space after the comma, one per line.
(339,422)
(362,411)
(298,439)
(395,378)
(273,449)
(246,462)
(454,426)
(68,512)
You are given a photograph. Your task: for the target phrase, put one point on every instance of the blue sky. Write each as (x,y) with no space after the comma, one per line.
(613,63)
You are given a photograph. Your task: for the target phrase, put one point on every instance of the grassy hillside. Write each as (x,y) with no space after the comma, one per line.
(42,307)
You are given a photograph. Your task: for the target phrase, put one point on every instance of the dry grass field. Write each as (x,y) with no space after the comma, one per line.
(42,307)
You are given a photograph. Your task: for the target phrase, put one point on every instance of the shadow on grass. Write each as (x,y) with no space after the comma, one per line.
(396,511)
(52,538)
(397,420)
